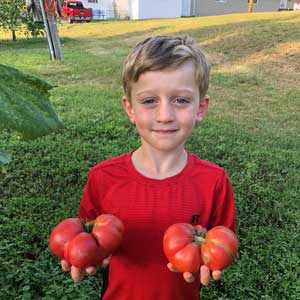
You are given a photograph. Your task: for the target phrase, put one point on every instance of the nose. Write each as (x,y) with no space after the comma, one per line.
(165,112)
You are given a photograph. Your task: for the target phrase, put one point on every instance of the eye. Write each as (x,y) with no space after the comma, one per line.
(149,101)
(181,100)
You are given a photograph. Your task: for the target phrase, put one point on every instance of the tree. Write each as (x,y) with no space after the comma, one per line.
(11,15)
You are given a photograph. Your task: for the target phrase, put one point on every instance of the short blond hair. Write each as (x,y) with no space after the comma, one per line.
(160,52)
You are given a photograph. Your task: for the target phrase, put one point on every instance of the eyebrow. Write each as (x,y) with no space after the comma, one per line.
(184,90)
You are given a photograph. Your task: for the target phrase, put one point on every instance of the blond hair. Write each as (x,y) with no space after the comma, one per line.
(160,52)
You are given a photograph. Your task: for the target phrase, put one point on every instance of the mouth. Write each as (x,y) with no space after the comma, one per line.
(165,131)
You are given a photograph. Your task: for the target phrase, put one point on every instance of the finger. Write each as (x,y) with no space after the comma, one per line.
(91,270)
(188,277)
(65,265)
(171,267)
(77,274)
(106,261)
(217,275)
(204,275)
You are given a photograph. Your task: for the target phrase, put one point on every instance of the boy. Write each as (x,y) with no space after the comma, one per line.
(165,80)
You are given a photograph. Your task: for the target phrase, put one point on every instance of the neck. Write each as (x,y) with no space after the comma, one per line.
(159,164)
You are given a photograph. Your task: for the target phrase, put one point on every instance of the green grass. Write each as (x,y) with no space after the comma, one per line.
(252,130)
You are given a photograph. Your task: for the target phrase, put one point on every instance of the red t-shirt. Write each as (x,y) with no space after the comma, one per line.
(201,192)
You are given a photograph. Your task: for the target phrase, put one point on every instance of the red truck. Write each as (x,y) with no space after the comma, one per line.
(75,11)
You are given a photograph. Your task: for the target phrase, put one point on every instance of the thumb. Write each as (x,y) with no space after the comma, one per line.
(106,261)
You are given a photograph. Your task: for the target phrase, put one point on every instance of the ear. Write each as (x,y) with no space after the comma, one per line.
(203,108)
(129,109)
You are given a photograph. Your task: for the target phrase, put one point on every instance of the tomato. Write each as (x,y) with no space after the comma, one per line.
(108,231)
(63,233)
(182,248)
(83,251)
(188,247)
(220,247)
(70,241)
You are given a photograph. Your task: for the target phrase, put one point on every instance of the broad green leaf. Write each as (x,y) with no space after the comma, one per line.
(24,104)
(4,158)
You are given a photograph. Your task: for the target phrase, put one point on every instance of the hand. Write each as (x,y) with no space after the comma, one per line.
(78,274)
(204,274)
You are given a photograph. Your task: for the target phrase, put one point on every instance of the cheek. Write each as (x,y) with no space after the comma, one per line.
(143,116)
(189,118)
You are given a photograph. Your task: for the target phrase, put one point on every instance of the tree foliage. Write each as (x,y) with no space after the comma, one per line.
(14,17)
(11,15)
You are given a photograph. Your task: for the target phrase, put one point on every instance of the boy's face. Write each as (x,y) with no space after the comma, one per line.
(165,105)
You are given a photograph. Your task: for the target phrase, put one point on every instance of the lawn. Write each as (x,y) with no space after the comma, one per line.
(252,130)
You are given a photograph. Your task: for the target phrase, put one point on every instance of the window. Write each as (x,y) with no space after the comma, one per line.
(92,1)
(221,1)
(75,5)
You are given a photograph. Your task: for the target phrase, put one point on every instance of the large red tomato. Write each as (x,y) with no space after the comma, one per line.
(220,248)
(68,240)
(182,248)
(63,233)
(108,231)
(83,251)
(188,247)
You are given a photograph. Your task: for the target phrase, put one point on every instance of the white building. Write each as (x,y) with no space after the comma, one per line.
(108,9)
(145,9)
(151,9)
(138,9)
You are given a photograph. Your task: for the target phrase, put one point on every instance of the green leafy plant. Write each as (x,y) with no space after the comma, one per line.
(25,106)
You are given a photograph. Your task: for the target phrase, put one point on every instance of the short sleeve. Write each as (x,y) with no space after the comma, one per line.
(224,204)
(90,206)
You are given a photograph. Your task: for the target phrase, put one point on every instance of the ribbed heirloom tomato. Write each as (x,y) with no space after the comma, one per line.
(181,246)
(188,247)
(219,249)
(86,244)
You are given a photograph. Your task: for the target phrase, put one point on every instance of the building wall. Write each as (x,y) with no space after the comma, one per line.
(102,9)
(121,9)
(122,5)
(145,9)
(186,8)
(134,9)
(215,7)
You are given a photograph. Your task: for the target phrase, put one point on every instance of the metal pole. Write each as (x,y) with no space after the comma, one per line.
(55,38)
(51,48)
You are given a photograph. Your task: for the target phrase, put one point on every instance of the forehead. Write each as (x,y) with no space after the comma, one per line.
(181,77)
(184,73)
